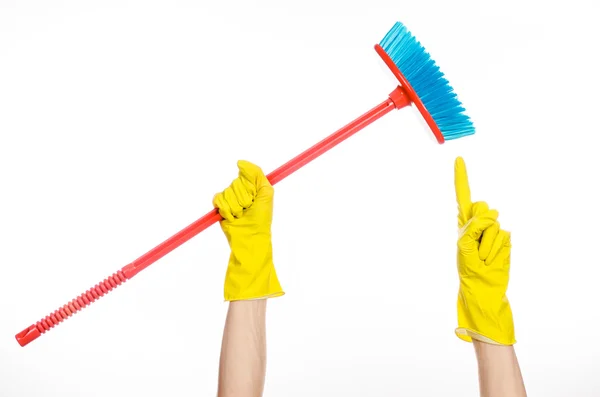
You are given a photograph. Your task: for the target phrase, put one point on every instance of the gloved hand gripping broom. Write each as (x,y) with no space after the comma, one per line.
(421,84)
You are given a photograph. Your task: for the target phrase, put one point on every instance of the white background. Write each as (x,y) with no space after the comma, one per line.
(119,120)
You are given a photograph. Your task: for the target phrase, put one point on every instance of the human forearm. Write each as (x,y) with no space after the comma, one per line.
(243,352)
(499,372)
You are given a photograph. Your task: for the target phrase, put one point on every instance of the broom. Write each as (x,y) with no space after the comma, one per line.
(422,84)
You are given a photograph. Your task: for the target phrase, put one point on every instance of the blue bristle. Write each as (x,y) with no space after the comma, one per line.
(428,81)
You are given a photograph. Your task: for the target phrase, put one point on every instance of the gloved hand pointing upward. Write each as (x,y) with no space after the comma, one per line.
(484,312)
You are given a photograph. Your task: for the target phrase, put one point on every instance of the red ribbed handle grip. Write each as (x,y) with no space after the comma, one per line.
(96,292)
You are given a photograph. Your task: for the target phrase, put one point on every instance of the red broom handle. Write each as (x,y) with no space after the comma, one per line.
(397,100)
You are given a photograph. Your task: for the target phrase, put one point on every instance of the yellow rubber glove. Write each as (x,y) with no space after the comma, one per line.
(484,312)
(247,210)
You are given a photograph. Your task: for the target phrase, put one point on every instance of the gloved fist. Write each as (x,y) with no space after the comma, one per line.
(247,210)
(484,312)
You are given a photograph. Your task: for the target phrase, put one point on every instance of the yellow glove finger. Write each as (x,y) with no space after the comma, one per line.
(232,201)
(221,204)
(473,230)
(479,208)
(501,241)
(487,240)
(463,191)
(252,174)
(503,257)
(489,234)
(242,193)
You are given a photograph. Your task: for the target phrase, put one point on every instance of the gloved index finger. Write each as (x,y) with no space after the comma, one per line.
(463,191)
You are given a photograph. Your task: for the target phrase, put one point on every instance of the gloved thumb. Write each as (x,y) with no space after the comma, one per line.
(253,174)
(472,231)
(256,181)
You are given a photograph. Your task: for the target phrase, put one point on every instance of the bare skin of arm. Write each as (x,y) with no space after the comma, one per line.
(499,371)
(244,349)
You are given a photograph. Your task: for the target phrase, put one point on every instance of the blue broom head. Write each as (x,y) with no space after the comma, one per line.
(428,81)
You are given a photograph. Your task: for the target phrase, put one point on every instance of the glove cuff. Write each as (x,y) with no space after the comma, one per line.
(259,283)
(488,320)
